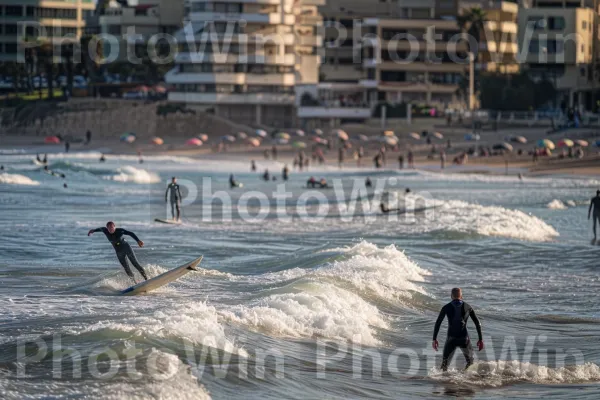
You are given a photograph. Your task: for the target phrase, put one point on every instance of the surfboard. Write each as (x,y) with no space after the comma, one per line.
(405,210)
(167,221)
(162,279)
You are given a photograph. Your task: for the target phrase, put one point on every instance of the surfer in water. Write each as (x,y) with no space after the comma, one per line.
(122,248)
(595,204)
(458,312)
(175,198)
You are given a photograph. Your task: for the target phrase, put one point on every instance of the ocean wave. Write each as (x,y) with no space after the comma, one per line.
(465,217)
(314,309)
(196,322)
(16,179)
(500,373)
(556,205)
(387,271)
(135,175)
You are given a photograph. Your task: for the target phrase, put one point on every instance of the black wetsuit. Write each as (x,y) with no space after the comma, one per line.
(595,204)
(458,313)
(175,199)
(123,249)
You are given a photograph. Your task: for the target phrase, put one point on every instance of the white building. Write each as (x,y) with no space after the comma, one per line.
(245,58)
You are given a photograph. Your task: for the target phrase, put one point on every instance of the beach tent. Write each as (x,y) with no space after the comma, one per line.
(438,135)
(261,133)
(342,135)
(157,141)
(228,138)
(254,142)
(317,132)
(242,135)
(299,132)
(283,135)
(582,143)
(362,138)
(203,137)
(414,135)
(388,133)
(503,146)
(299,145)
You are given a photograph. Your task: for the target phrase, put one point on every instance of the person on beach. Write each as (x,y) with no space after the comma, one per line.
(252,166)
(312,182)
(285,173)
(232,182)
(102,158)
(266,176)
(458,313)
(175,198)
(595,205)
(122,248)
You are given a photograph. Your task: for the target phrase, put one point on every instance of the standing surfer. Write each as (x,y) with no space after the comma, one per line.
(595,204)
(175,198)
(458,313)
(122,248)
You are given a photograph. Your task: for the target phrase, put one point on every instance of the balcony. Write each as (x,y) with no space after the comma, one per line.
(224,58)
(422,66)
(418,87)
(335,112)
(232,98)
(272,18)
(231,78)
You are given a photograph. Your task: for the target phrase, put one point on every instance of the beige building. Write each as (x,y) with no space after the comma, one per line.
(556,40)
(41,19)
(245,59)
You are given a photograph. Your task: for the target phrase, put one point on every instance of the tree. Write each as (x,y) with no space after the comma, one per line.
(473,22)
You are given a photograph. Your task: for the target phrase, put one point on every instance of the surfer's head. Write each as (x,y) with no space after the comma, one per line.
(173,179)
(456,294)
(597,192)
(111,227)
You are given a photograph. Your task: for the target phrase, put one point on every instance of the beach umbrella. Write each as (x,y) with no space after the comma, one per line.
(228,138)
(342,135)
(299,132)
(389,140)
(125,137)
(363,138)
(52,140)
(472,136)
(438,135)
(194,142)
(546,144)
(299,145)
(203,137)
(503,146)
(582,143)
(281,141)
(242,135)
(518,139)
(157,141)
(283,135)
(130,139)
(317,132)
(388,133)
(565,143)
(414,135)
(254,142)
(261,133)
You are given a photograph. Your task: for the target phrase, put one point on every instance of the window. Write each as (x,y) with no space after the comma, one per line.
(10,48)
(234,8)
(393,76)
(556,47)
(534,46)
(13,11)
(537,22)
(584,25)
(198,7)
(30,11)
(346,23)
(582,48)
(556,23)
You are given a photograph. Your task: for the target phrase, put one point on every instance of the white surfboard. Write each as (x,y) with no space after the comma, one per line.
(162,279)
(168,221)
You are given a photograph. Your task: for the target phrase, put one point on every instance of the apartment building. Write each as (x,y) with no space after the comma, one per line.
(558,40)
(53,19)
(244,59)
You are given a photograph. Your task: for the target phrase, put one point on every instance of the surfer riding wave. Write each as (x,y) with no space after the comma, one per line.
(122,248)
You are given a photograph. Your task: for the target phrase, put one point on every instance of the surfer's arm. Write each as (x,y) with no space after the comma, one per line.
(134,236)
(167,193)
(95,230)
(438,323)
(590,209)
(179,193)
(477,324)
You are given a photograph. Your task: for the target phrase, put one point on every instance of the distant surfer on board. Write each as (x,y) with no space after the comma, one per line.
(595,204)
(458,313)
(122,248)
(175,198)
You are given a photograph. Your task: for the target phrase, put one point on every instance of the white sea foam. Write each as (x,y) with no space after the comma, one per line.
(387,271)
(16,179)
(461,216)
(316,309)
(135,175)
(196,322)
(499,373)
(556,205)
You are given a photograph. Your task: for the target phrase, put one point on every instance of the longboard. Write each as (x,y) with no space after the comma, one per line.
(404,210)
(168,221)
(162,279)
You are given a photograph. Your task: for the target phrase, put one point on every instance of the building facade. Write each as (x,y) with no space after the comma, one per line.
(55,19)
(244,59)
(558,41)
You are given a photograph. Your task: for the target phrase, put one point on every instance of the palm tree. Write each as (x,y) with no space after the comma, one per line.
(473,22)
